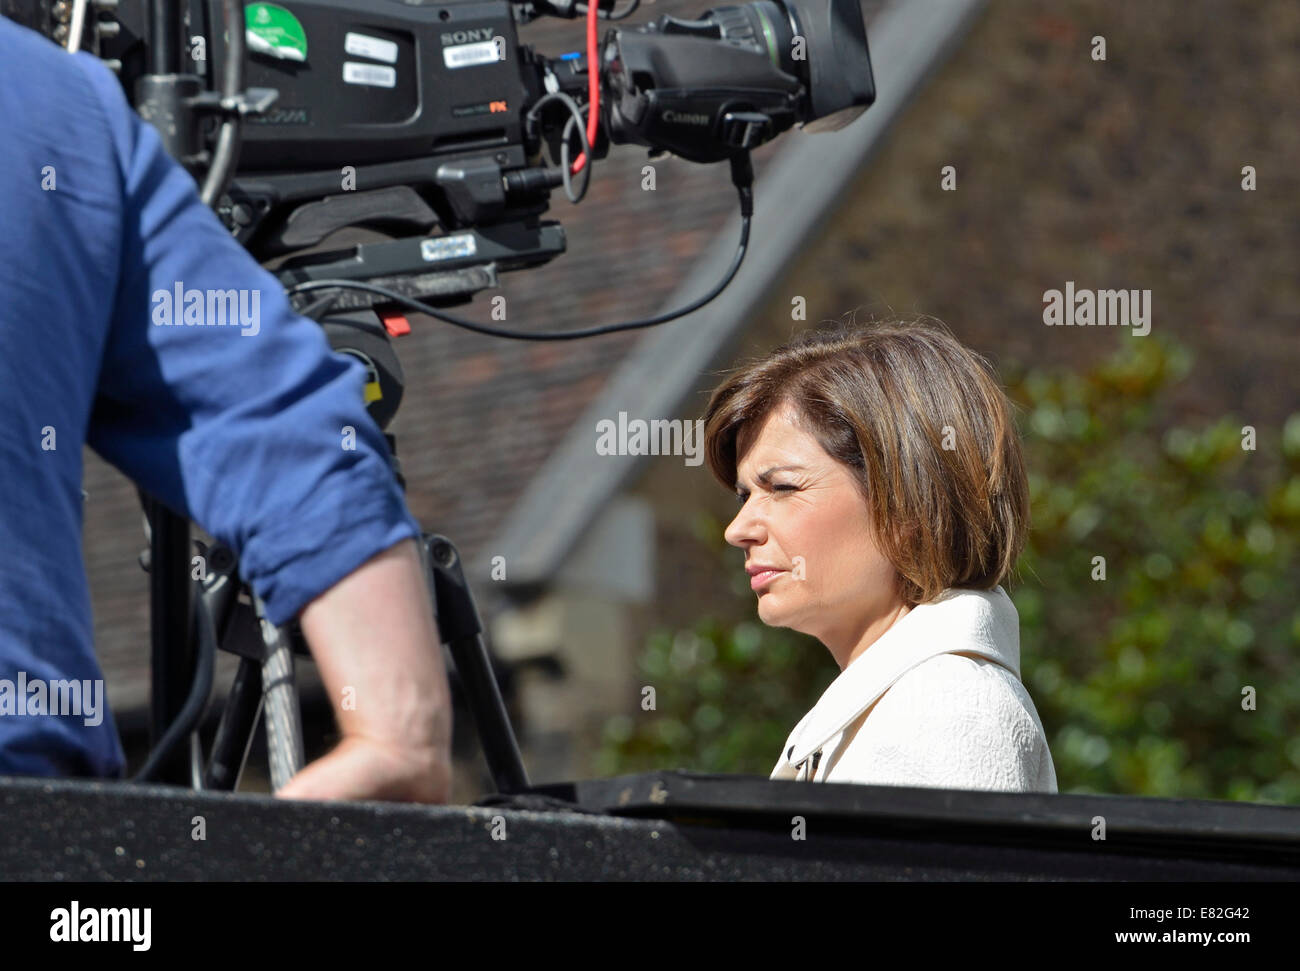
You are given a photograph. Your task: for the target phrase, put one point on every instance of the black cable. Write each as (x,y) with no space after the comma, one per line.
(421,307)
(226,155)
(575,117)
(188,717)
(567,165)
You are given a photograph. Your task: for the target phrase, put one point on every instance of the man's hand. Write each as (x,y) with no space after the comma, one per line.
(359,768)
(376,644)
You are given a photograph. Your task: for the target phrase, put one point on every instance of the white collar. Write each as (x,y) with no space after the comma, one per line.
(982,622)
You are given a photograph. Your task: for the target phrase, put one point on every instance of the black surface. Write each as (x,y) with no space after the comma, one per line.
(709,828)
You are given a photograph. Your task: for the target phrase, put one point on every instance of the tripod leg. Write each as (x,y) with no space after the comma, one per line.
(283,718)
(173,659)
(461,629)
(235,730)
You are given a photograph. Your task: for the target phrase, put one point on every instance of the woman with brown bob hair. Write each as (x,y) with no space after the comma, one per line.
(883,502)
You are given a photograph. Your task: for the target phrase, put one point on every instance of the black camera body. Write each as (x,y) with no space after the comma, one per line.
(388,81)
(423,120)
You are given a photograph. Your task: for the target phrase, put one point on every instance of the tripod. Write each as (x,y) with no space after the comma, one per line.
(211,608)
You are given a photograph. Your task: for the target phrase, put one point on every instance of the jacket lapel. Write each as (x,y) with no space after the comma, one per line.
(980,622)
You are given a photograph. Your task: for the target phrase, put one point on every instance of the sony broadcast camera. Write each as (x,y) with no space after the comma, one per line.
(426,120)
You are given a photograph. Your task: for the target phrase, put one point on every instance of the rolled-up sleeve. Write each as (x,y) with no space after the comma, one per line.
(252,427)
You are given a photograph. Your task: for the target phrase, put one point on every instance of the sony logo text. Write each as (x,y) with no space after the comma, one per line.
(466,36)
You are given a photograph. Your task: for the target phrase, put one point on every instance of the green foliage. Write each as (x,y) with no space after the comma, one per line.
(1140,678)
(724,697)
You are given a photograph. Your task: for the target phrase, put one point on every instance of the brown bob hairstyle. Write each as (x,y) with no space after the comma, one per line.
(924,425)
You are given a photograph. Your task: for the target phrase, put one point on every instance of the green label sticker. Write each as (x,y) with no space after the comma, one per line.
(275,31)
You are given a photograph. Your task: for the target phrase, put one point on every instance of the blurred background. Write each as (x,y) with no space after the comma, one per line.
(601,575)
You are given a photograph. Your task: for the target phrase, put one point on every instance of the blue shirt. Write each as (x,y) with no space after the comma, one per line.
(240,426)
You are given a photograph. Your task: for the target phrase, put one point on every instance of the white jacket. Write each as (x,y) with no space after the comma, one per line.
(946,720)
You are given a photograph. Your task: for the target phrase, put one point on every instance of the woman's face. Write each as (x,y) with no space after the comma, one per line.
(804,518)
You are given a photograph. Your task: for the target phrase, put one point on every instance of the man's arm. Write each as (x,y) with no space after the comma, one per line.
(260,434)
(374,640)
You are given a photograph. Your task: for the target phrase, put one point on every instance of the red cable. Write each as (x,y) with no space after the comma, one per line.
(593,85)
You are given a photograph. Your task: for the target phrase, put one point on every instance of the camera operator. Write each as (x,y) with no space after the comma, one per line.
(256,431)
